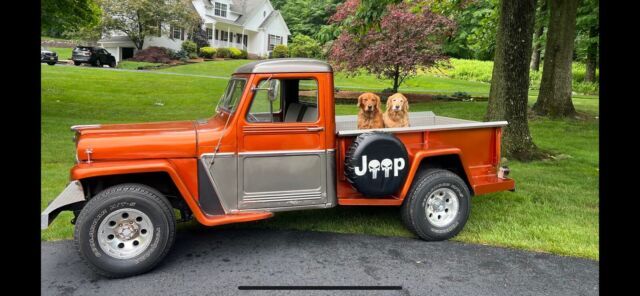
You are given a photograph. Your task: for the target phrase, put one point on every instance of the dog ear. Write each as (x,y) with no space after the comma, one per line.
(360,101)
(378,102)
(389,103)
(405,104)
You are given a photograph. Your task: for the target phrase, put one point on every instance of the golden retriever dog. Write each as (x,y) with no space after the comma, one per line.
(370,112)
(397,112)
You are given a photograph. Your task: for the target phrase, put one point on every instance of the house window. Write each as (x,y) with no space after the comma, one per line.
(176,33)
(238,38)
(274,40)
(220,9)
(264,13)
(209,33)
(224,36)
(216,34)
(245,37)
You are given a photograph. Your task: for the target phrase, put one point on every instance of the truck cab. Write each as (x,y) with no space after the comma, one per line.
(274,144)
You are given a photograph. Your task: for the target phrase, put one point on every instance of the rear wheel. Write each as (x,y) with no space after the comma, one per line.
(77,63)
(51,63)
(98,63)
(125,230)
(437,206)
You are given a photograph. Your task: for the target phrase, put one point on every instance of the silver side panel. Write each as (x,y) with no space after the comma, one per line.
(224,172)
(272,180)
(332,196)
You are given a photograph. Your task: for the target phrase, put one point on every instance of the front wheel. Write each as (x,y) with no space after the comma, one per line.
(125,230)
(51,63)
(437,206)
(98,63)
(112,64)
(77,63)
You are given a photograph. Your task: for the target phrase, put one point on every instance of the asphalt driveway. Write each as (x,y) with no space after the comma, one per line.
(216,261)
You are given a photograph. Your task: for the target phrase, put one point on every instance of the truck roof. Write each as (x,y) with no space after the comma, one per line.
(290,65)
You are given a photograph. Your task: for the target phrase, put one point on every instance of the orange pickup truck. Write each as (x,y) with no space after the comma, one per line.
(274,144)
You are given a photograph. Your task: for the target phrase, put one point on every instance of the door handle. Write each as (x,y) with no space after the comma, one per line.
(315,129)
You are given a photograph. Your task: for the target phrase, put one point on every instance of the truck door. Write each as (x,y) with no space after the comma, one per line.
(282,155)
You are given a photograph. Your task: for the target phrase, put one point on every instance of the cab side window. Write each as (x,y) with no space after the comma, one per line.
(285,100)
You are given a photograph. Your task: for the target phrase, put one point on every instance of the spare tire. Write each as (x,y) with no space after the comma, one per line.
(376,164)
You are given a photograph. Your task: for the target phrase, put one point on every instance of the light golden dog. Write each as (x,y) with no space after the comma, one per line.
(397,112)
(370,112)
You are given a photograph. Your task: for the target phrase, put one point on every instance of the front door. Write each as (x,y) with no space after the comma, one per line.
(282,160)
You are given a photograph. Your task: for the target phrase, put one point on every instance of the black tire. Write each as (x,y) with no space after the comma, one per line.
(77,63)
(97,63)
(414,209)
(112,64)
(51,64)
(125,197)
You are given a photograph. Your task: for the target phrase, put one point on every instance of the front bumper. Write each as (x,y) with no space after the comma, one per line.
(70,195)
(48,59)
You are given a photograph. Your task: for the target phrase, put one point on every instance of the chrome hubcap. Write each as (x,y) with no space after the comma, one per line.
(125,233)
(442,207)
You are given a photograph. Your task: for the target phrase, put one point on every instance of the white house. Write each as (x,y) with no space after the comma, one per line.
(253,25)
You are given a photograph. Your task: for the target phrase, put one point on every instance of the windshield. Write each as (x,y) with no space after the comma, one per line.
(232,94)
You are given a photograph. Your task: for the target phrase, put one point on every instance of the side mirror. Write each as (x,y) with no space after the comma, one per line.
(274,90)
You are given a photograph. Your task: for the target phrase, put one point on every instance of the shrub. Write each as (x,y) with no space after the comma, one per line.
(223,52)
(208,52)
(245,54)
(180,55)
(193,55)
(461,95)
(190,47)
(153,54)
(303,46)
(280,51)
(235,53)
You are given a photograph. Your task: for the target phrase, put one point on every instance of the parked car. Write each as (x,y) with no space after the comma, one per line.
(94,55)
(47,56)
(273,145)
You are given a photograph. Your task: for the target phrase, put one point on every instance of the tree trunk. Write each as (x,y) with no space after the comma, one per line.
(396,79)
(592,57)
(508,96)
(537,36)
(554,98)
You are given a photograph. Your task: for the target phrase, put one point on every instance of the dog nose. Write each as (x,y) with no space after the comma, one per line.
(370,107)
(396,108)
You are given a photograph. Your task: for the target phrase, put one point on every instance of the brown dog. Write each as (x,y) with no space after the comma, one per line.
(370,114)
(397,113)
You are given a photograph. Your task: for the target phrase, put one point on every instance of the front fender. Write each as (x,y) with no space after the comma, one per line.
(96,169)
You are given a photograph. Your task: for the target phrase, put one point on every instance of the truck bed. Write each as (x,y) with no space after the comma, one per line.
(347,125)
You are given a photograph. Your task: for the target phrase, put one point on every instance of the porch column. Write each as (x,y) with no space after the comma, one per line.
(228,35)
(242,40)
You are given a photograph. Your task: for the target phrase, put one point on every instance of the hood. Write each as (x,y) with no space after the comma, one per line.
(136,141)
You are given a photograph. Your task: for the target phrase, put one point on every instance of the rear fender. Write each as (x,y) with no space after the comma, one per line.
(417,162)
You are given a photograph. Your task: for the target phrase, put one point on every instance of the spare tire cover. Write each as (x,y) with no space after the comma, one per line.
(376,164)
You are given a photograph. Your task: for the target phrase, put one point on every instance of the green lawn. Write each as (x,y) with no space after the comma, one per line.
(555,208)
(64,53)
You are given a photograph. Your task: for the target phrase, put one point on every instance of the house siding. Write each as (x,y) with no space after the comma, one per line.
(257,42)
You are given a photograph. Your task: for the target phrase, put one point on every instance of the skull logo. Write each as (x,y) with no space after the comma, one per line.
(374,167)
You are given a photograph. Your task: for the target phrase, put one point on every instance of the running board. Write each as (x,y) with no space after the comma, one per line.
(215,220)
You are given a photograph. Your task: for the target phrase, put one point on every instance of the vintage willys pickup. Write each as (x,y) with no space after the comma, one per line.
(274,144)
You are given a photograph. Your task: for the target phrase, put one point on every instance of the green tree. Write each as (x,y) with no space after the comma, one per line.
(588,37)
(508,96)
(141,18)
(303,46)
(554,98)
(542,18)
(58,17)
(306,17)
(476,27)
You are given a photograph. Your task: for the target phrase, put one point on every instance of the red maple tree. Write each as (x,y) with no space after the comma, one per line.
(396,48)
